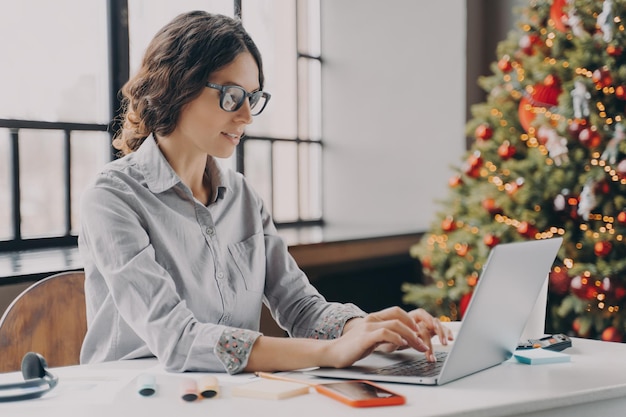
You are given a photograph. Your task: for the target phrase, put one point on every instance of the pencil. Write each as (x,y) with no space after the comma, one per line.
(269,375)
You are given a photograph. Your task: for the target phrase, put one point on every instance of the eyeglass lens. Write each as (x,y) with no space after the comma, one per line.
(233,98)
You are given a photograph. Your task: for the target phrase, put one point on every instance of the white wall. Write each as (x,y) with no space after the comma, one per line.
(394,109)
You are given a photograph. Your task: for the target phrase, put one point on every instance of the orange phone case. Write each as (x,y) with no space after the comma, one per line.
(359,398)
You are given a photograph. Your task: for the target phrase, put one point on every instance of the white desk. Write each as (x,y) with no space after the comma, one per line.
(593,383)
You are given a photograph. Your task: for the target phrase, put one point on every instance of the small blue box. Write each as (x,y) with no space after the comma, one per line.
(539,356)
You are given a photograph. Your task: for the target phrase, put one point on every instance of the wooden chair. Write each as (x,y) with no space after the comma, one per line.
(48,318)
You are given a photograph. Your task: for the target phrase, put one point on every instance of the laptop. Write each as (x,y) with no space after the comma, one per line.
(510,282)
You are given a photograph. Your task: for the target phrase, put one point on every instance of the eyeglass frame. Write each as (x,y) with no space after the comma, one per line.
(246,95)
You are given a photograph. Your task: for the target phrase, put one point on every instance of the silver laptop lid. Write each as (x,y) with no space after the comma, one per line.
(509,284)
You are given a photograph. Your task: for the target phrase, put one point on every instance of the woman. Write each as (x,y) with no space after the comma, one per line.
(180,254)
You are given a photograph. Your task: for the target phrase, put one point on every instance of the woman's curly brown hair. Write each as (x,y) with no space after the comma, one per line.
(174,71)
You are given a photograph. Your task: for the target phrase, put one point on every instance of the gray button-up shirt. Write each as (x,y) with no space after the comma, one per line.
(167,276)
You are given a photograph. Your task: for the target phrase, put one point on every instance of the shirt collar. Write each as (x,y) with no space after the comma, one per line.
(160,176)
(217,178)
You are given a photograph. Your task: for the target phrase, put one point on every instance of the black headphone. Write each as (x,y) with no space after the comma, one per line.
(37,380)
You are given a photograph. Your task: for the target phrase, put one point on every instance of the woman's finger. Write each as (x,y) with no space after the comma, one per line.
(408,336)
(443,333)
(425,334)
(392,313)
(433,324)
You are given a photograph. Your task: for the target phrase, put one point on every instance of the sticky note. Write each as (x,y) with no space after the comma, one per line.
(539,356)
(269,389)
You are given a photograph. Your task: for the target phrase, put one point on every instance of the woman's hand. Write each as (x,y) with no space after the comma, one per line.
(388,330)
(429,326)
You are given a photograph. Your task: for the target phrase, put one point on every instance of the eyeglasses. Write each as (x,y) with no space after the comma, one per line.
(233,96)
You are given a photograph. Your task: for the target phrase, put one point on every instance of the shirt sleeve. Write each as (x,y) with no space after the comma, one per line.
(234,347)
(332,322)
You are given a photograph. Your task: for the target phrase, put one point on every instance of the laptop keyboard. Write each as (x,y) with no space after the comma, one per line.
(414,367)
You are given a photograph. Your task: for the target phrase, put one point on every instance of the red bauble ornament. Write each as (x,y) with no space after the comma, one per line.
(614,50)
(588,288)
(611,334)
(504,64)
(462,249)
(475,160)
(583,287)
(526,229)
(558,16)
(489,204)
(491,240)
(527,43)
(455,181)
(448,224)
(602,248)
(473,172)
(541,96)
(506,150)
(473,164)
(483,131)
(576,126)
(619,292)
(621,217)
(601,187)
(512,187)
(602,77)
(559,280)
(589,138)
(464,302)
(620,92)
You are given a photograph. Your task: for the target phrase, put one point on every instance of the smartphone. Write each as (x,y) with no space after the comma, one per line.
(360,393)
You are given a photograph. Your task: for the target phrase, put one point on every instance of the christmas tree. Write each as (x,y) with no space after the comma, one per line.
(549,159)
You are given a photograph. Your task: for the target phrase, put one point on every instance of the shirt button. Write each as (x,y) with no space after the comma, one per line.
(220,275)
(210,231)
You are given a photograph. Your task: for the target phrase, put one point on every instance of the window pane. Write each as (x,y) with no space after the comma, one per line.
(146,17)
(54,63)
(6,227)
(309,99)
(90,151)
(42,183)
(271,23)
(309,27)
(258,166)
(285,165)
(310,181)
